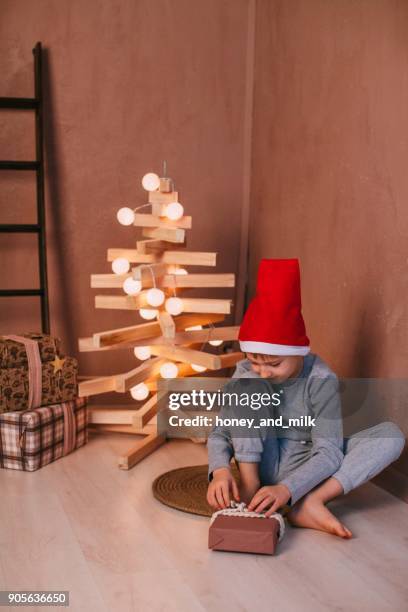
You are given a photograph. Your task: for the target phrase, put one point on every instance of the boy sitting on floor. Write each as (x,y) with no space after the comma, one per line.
(311,465)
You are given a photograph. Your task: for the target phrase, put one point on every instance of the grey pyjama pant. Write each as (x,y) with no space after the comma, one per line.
(366,454)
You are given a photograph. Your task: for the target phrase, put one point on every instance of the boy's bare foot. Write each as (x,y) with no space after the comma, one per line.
(312,513)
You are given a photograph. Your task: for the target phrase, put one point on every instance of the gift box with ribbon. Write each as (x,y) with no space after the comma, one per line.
(236,529)
(30,439)
(13,352)
(33,373)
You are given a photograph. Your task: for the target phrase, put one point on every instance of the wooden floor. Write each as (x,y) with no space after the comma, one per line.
(81,524)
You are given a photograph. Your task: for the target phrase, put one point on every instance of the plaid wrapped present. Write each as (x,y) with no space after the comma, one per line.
(30,439)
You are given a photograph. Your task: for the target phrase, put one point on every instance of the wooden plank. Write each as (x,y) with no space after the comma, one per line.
(157,247)
(197,280)
(167,325)
(188,337)
(169,234)
(147,369)
(206,305)
(86,345)
(159,210)
(146,412)
(123,334)
(111,415)
(105,384)
(126,429)
(158,197)
(184,369)
(163,280)
(188,355)
(95,386)
(189,258)
(204,335)
(145,272)
(122,302)
(152,329)
(146,220)
(108,281)
(140,450)
(132,255)
(166,185)
(141,245)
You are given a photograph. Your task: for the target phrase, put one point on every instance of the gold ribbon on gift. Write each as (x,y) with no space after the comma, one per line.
(34,369)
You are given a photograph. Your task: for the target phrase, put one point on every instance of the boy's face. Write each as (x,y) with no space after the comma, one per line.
(277,368)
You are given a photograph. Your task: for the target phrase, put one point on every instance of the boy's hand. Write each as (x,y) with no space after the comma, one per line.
(271,497)
(219,489)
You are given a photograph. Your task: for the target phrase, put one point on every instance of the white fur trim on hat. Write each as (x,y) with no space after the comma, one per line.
(249,346)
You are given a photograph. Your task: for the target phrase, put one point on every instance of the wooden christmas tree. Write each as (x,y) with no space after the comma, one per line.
(172,341)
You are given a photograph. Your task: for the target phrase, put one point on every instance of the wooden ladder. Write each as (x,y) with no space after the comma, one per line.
(35,104)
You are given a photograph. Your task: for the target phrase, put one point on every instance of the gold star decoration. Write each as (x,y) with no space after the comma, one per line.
(58,364)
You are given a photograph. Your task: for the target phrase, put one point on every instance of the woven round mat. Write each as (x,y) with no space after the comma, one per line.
(185,489)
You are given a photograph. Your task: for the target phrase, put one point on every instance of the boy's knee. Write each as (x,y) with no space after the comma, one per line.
(392,439)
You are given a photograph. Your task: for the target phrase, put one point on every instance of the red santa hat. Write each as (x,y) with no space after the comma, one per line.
(273,323)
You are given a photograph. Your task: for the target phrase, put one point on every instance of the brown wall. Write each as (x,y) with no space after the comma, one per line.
(329,177)
(128,84)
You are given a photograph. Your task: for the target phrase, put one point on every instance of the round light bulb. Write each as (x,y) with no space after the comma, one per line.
(125,216)
(142,352)
(140,392)
(169,370)
(198,368)
(194,328)
(174,306)
(148,313)
(120,265)
(150,181)
(174,211)
(155,297)
(215,342)
(132,286)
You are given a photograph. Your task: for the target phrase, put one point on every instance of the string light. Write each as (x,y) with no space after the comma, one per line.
(132,286)
(125,216)
(148,313)
(120,265)
(198,368)
(140,392)
(174,305)
(155,297)
(174,211)
(142,352)
(169,370)
(151,181)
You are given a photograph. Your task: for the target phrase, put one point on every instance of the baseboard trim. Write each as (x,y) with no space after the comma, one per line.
(393,481)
